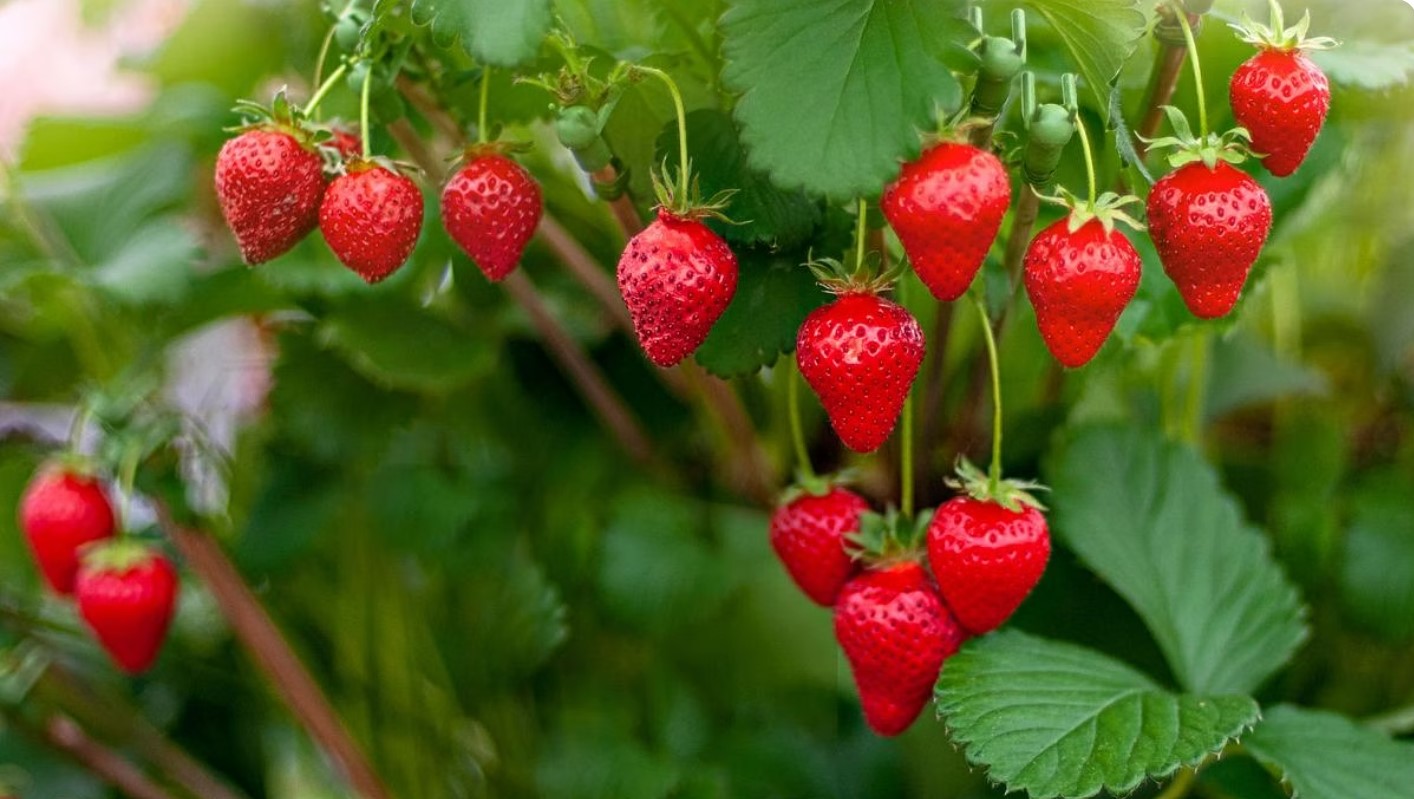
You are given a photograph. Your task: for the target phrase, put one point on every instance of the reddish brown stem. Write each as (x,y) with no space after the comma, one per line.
(584,269)
(1028,207)
(1168,65)
(272,654)
(63,734)
(625,214)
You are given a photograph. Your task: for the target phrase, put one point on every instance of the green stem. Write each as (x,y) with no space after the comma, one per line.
(127,477)
(861,230)
(481,110)
(82,414)
(1197,388)
(994,474)
(323,91)
(905,470)
(1180,786)
(681,110)
(363,113)
(1089,158)
(1197,73)
(323,54)
(797,431)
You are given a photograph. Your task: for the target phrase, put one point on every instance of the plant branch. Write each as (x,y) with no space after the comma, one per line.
(995,472)
(585,270)
(622,207)
(1168,65)
(272,654)
(1023,221)
(64,734)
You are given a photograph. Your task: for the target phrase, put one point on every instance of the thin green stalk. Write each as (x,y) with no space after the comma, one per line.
(797,430)
(1197,73)
(323,54)
(481,110)
(681,110)
(1197,388)
(861,230)
(363,113)
(324,88)
(1089,158)
(994,474)
(906,458)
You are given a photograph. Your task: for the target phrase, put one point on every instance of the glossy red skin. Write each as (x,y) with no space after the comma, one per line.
(129,611)
(347,143)
(1282,98)
(491,208)
(1209,226)
(986,558)
(1079,284)
(809,536)
(371,218)
(268,186)
(860,354)
(896,633)
(676,277)
(946,208)
(61,512)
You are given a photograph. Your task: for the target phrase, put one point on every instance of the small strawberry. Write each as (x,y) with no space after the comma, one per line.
(126,594)
(860,354)
(809,533)
(268,183)
(62,511)
(371,217)
(491,208)
(1080,274)
(1279,95)
(346,142)
(988,549)
(947,208)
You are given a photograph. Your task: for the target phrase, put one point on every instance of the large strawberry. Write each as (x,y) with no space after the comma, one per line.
(125,595)
(860,354)
(946,208)
(371,217)
(491,208)
(1279,94)
(809,533)
(269,180)
(62,511)
(896,633)
(988,549)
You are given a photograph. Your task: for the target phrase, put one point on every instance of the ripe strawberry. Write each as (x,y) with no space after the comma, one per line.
(860,354)
(371,217)
(676,277)
(126,594)
(491,208)
(60,512)
(896,633)
(1079,280)
(946,208)
(347,143)
(809,534)
(1279,94)
(268,184)
(987,558)
(1208,224)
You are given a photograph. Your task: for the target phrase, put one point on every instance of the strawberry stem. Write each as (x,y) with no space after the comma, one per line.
(905,468)
(1197,73)
(797,431)
(319,62)
(323,90)
(861,231)
(127,476)
(683,181)
(1089,160)
(481,109)
(1197,387)
(363,113)
(994,474)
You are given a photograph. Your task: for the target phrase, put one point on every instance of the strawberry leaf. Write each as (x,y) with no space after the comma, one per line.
(1300,744)
(404,347)
(1150,518)
(1100,34)
(837,109)
(1055,719)
(774,294)
(1366,65)
(491,31)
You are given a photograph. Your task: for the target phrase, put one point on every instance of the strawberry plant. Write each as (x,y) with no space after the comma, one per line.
(615,435)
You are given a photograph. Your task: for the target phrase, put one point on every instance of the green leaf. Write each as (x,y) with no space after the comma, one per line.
(833,94)
(760,212)
(1377,578)
(155,266)
(1055,719)
(1324,755)
(1100,34)
(1150,518)
(404,347)
(493,31)
(773,296)
(1372,66)
(1246,372)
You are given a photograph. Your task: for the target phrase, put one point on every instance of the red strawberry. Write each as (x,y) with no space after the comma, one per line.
(346,142)
(1079,282)
(60,512)
(987,558)
(491,208)
(371,217)
(809,533)
(860,354)
(125,595)
(896,633)
(1208,225)
(946,208)
(268,185)
(676,277)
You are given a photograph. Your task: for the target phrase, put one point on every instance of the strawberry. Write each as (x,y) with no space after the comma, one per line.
(1208,223)
(371,217)
(60,512)
(491,208)
(268,184)
(1079,279)
(676,277)
(347,143)
(809,534)
(896,633)
(860,354)
(947,208)
(1279,95)
(126,594)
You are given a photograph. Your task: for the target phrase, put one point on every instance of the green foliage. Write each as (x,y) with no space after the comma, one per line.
(1100,35)
(773,296)
(1372,66)
(1326,756)
(498,33)
(1377,578)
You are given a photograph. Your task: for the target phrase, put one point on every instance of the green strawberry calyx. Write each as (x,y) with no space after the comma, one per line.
(283,116)
(115,556)
(1276,37)
(1014,495)
(838,279)
(1231,147)
(814,485)
(667,187)
(885,539)
(1107,209)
